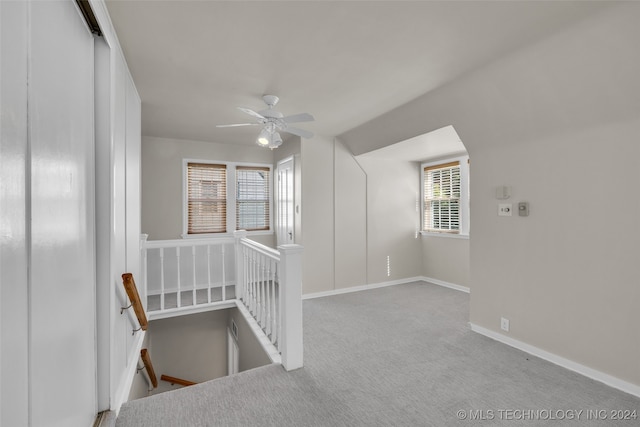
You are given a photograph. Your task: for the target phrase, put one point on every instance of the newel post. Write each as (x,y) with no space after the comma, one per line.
(239,235)
(290,294)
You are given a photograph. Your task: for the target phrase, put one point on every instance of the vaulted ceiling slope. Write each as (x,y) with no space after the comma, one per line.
(346,62)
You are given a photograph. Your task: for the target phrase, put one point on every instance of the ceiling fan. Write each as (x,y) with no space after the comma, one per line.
(274,122)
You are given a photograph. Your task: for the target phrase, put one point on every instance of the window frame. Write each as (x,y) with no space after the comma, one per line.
(269,185)
(464,197)
(231,198)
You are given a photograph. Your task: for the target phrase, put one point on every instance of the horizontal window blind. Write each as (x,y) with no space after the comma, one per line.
(442,198)
(207,198)
(253,193)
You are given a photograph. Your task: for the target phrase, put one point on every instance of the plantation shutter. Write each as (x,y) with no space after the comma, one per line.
(252,198)
(207,198)
(442,198)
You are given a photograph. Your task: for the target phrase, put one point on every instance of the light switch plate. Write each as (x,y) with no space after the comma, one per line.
(504,209)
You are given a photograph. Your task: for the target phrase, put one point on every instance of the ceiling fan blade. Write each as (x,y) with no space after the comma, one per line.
(300,132)
(251,112)
(236,125)
(297,118)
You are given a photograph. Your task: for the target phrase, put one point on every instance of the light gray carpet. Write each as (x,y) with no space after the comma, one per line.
(396,356)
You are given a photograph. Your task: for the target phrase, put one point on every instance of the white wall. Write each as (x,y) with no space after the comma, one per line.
(446,259)
(317,215)
(48,254)
(251,353)
(543,120)
(192,347)
(356,213)
(393,189)
(350,220)
(162,180)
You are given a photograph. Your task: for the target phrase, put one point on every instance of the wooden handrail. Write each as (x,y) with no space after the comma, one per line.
(174,380)
(134,297)
(146,359)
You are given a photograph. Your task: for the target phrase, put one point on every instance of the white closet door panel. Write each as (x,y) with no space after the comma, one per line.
(62,356)
(14,321)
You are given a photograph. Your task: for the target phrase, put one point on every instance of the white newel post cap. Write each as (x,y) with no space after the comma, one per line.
(240,234)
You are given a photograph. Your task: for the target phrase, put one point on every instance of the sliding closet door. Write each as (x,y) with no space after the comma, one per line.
(62,250)
(14,308)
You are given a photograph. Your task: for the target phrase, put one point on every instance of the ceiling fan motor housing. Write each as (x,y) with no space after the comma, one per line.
(270,100)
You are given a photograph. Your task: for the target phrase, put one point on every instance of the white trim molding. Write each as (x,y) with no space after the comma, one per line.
(385,284)
(446,284)
(361,288)
(259,334)
(588,372)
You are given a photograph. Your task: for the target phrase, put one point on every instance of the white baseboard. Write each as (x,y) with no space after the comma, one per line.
(607,379)
(385,284)
(191,309)
(446,284)
(361,288)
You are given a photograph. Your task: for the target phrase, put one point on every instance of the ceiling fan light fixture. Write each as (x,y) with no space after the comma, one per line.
(264,139)
(276,140)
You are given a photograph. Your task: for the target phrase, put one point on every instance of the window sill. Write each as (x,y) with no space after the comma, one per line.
(446,235)
(260,233)
(213,235)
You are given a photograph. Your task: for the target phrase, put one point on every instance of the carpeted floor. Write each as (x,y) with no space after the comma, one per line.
(395,356)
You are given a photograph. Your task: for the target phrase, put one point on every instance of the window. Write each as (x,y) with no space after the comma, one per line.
(445,197)
(252,198)
(221,197)
(206,198)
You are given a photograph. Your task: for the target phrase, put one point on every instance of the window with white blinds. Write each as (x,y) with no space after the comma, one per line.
(253,198)
(206,198)
(442,195)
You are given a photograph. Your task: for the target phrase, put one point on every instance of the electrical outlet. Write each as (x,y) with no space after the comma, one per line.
(504,324)
(504,209)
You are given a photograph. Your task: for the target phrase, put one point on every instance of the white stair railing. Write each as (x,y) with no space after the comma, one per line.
(183,274)
(195,274)
(270,285)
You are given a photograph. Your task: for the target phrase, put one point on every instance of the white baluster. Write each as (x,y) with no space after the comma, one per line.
(258,287)
(161,279)
(276,306)
(267,272)
(274,316)
(193,256)
(224,281)
(209,273)
(178,295)
(263,286)
(245,272)
(254,288)
(247,279)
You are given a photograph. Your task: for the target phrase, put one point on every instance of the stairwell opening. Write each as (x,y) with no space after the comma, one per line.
(196,348)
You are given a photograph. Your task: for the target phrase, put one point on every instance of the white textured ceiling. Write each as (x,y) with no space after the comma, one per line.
(437,144)
(345,62)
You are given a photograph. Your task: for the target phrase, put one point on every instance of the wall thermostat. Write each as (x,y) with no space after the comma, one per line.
(523,209)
